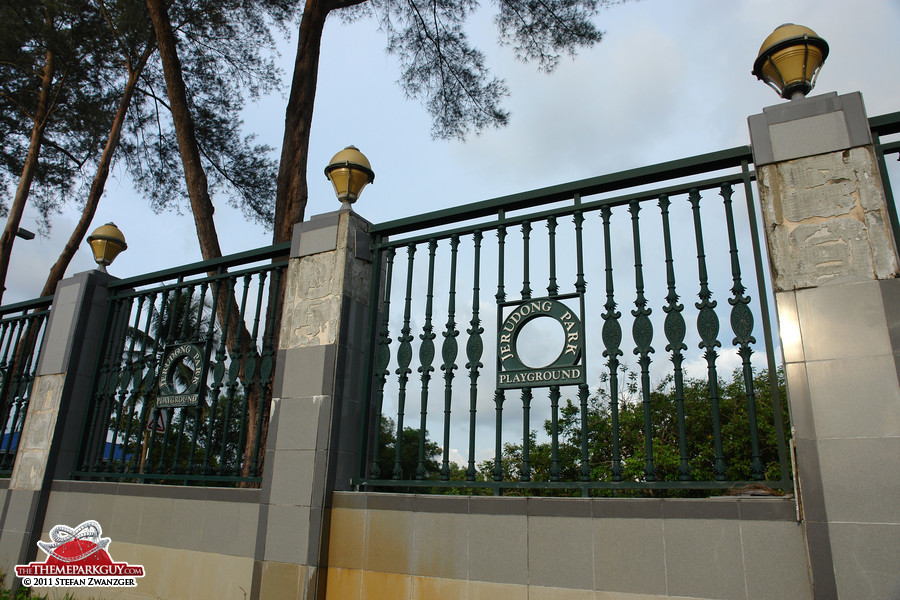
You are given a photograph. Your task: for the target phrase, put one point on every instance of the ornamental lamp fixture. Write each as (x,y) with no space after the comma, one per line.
(106,243)
(349,172)
(790,59)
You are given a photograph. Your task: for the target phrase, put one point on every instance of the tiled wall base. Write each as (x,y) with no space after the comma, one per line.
(352,584)
(173,574)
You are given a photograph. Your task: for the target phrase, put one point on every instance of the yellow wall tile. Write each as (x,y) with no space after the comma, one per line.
(434,588)
(385,586)
(343,584)
(480,590)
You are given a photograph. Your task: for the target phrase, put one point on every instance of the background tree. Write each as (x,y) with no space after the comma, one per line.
(699,436)
(227,60)
(134,43)
(439,68)
(54,104)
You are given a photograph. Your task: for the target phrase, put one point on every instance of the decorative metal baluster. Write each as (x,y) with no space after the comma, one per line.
(742,325)
(501,252)
(642,332)
(382,359)
(218,377)
(249,380)
(499,395)
(708,328)
(197,326)
(266,367)
(553,288)
(20,409)
(5,406)
(198,411)
(583,392)
(612,338)
(158,343)
(137,386)
(126,374)
(554,432)
(426,356)
(7,330)
(11,407)
(198,318)
(499,398)
(580,282)
(234,370)
(186,333)
(449,350)
(169,323)
(774,392)
(527,397)
(474,348)
(10,381)
(404,357)
(32,327)
(526,245)
(675,330)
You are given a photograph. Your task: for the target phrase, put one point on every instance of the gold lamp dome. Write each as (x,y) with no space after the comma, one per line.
(349,172)
(789,60)
(106,242)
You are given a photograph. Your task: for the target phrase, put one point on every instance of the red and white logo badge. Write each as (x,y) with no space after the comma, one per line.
(78,557)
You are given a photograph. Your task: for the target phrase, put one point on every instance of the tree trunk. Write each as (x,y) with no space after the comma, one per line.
(58,270)
(28,172)
(195,177)
(292,191)
(238,339)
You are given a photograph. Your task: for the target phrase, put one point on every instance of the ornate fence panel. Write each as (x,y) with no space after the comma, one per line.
(547,340)
(185,374)
(22,328)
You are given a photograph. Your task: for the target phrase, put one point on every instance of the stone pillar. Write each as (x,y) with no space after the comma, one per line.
(834,271)
(311,447)
(60,394)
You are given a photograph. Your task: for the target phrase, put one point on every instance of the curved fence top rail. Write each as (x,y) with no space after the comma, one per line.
(34,303)
(631,178)
(885,124)
(205,266)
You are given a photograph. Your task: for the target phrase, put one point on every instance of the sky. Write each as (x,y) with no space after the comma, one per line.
(669,79)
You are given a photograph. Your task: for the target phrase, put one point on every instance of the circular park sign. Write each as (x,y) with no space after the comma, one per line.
(188,360)
(567,369)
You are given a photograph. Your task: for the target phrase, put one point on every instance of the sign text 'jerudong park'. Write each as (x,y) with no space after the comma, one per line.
(567,369)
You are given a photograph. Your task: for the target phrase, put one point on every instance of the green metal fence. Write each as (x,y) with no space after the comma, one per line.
(22,328)
(661,396)
(185,374)
(882,127)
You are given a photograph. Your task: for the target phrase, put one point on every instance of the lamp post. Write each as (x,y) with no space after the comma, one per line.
(106,242)
(349,172)
(790,59)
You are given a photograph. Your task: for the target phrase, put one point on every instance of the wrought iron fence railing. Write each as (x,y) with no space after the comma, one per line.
(888,126)
(185,374)
(22,327)
(503,325)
